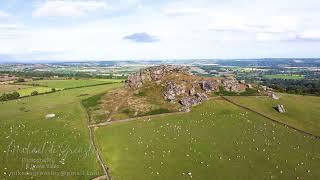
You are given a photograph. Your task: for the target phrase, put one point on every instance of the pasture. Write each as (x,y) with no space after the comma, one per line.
(284,76)
(71,83)
(27,91)
(216,140)
(302,112)
(9,88)
(35,147)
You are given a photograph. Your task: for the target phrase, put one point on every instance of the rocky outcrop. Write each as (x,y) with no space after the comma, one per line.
(209,86)
(272,95)
(231,84)
(202,96)
(180,86)
(190,101)
(173,90)
(154,73)
(192,91)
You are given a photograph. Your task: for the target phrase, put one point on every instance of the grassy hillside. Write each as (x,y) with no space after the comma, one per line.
(127,103)
(303,112)
(217,140)
(32,144)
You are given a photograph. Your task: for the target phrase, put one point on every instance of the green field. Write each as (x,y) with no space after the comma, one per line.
(62,84)
(217,140)
(284,76)
(303,112)
(32,144)
(28,91)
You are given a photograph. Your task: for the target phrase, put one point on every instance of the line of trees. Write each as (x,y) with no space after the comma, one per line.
(294,86)
(9,96)
(47,74)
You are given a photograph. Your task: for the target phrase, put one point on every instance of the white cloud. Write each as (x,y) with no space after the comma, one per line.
(312,35)
(4,14)
(12,31)
(190,29)
(62,8)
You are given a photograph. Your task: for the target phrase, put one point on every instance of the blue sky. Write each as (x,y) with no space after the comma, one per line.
(149,29)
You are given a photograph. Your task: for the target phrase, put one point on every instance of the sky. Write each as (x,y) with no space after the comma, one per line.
(40,30)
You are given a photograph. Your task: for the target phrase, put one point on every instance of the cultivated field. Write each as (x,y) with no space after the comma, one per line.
(9,88)
(60,146)
(302,112)
(62,84)
(29,90)
(217,140)
(284,76)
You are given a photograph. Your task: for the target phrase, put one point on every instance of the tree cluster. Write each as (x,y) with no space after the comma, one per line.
(294,86)
(9,96)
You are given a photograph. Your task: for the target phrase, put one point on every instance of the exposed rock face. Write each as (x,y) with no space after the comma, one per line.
(209,86)
(173,90)
(154,73)
(180,86)
(202,96)
(190,101)
(231,84)
(192,91)
(272,95)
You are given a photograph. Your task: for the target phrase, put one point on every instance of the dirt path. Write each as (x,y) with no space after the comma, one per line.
(274,120)
(117,106)
(134,119)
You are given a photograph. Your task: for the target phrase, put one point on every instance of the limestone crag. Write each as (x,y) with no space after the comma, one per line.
(209,86)
(232,85)
(181,86)
(154,73)
(173,90)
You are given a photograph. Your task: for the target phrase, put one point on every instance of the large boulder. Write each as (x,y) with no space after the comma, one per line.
(209,86)
(192,91)
(231,84)
(280,108)
(190,101)
(173,89)
(202,96)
